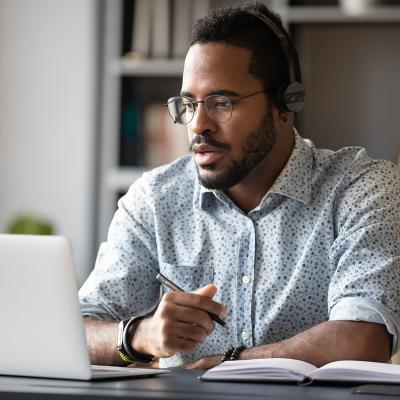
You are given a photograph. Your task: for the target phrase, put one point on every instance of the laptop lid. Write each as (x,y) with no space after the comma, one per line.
(42,332)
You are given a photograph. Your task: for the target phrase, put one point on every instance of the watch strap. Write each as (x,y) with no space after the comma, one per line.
(126,330)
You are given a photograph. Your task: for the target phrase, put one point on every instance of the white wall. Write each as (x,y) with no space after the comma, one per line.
(47,64)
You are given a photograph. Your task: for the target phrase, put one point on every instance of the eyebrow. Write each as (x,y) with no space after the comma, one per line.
(221,92)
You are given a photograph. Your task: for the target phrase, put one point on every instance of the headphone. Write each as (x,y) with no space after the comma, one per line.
(290,96)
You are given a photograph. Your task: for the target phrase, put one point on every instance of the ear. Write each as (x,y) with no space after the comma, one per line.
(284,117)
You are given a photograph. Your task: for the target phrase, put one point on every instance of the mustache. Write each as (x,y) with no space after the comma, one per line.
(208,139)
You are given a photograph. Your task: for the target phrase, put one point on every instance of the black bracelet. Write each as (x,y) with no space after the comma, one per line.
(233,353)
(127,335)
(227,354)
(236,353)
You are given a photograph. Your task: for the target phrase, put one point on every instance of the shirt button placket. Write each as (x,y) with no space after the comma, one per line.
(244,335)
(247,283)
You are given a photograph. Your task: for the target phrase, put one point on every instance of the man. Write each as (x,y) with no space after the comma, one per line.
(296,248)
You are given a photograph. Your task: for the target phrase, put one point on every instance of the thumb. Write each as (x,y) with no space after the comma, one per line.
(207,291)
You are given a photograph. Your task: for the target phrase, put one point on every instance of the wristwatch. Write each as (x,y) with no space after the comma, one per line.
(126,330)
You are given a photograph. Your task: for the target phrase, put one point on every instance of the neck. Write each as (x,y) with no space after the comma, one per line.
(248,194)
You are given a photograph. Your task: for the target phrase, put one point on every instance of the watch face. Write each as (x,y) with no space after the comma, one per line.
(121,326)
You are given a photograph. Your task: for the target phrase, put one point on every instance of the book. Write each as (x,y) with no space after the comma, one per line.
(141,28)
(181,27)
(289,370)
(130,145)
(160,29)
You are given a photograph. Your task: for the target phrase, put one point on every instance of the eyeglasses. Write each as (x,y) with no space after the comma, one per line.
(217,107)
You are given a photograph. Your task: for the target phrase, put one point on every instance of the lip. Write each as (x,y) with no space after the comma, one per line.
(205,154)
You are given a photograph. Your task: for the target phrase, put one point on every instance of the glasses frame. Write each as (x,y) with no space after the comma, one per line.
(195,103)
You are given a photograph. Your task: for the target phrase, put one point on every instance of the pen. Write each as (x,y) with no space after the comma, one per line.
(171,285)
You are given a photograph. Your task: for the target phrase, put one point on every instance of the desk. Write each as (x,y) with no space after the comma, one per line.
(179,384)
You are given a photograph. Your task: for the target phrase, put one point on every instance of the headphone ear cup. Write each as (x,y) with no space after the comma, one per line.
(291,96)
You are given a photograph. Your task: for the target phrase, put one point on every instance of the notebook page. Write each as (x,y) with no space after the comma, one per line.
(261,369)
(363,371)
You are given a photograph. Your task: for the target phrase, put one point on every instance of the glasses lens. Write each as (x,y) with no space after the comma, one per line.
(181,110)
(219,108)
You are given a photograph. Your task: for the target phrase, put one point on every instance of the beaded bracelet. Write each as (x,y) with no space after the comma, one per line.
(227,354)
(236,353)
(233,353)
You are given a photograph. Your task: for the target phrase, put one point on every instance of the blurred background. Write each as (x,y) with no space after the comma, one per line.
(82,83)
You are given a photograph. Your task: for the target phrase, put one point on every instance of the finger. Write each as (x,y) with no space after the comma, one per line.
(207,291)
(176,344)
(203,363)
(189,332)
(193,300)
(188,315)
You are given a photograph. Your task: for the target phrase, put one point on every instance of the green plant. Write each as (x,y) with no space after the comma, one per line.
(30,225)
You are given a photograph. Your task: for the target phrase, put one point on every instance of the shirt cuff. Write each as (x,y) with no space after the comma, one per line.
(95,312)
(359,309)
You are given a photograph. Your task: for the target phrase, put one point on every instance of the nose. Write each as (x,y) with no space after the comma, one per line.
(201,122)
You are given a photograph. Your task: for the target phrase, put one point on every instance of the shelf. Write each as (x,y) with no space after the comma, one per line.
(304,14)
(144,73)
(120,179)
(131,66)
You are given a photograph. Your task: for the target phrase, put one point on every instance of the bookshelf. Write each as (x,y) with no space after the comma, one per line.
(145,82)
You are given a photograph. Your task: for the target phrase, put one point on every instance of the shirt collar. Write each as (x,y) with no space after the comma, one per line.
(205,195)
(294,181)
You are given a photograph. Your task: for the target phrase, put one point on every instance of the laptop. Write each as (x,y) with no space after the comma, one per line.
(42,332)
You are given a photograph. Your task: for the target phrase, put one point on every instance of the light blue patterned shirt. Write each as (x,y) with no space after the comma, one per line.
(323,244)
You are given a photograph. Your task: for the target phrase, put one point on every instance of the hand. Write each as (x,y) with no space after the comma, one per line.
(204,363)
(180,323)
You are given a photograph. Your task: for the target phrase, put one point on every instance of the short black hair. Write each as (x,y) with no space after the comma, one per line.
(234,25)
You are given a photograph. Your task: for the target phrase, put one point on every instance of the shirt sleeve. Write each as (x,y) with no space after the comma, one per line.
(123,282)
(365,255)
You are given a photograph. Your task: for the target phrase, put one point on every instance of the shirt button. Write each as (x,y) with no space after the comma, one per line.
(244,335)
(245,279)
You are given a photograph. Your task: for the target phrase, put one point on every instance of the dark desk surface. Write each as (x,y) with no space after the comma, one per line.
(179,384)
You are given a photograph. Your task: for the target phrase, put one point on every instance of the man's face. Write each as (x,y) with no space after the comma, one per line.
(229,152)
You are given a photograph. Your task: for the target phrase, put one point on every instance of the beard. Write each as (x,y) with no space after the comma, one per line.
(256,147)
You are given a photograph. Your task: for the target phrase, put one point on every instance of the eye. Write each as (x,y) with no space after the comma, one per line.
(222,104)
(188,105)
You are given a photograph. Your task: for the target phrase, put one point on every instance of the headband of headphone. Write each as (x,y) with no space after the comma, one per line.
(290,96)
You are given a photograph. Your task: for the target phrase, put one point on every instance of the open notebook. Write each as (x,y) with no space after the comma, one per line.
(42,332)
(288,370)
